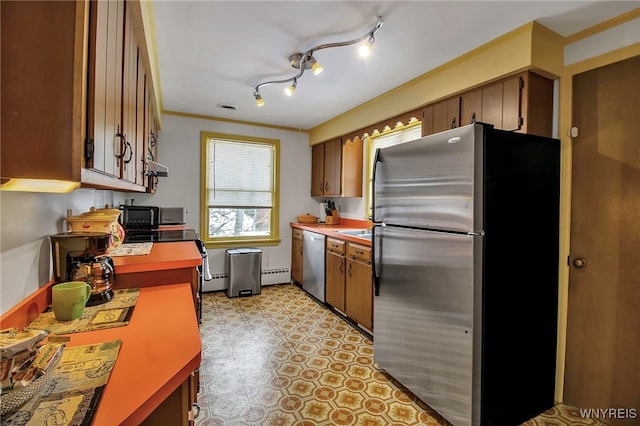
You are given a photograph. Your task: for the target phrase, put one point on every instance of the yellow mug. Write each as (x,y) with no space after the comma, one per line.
(69,299)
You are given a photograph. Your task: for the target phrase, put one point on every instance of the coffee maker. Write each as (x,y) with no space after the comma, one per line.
(81,256)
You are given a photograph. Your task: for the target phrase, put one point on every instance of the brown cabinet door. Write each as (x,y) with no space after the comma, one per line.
(471,107)
(512,103)
(335,280)
(359,293)
(128,146)
(427,120)
(446,114)
(41,126)
(296,257)
(332,167)
(492,105)
(105,80)
(352,156)
(317,170)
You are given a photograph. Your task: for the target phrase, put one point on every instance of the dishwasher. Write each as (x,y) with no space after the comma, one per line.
(313,264)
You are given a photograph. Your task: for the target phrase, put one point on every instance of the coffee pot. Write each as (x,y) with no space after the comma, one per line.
(80,256)
(97,271)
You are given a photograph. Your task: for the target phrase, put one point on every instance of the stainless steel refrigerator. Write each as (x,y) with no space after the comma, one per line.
(465,248)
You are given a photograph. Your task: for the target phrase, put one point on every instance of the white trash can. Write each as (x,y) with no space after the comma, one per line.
(243,267)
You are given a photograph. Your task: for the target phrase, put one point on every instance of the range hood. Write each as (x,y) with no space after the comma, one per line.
(157,169)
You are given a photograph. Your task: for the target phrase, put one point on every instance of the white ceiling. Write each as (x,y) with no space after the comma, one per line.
(216,52)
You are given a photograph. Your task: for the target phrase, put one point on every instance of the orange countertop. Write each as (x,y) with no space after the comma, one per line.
(160,349)
(163,256)
(331,230)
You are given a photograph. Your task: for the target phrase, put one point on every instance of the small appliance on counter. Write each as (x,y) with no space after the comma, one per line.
(173,215)
(81,256)
(140,217)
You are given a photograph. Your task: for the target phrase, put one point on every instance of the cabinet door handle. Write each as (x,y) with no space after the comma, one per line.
(326,187)
(300,249)
(453,123)
(341,267)
(349,270)
(127,147)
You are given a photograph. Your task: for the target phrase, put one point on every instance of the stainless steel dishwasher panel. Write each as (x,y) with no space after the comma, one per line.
(313,260)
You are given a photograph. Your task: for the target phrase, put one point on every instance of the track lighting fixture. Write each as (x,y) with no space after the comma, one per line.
(305,61)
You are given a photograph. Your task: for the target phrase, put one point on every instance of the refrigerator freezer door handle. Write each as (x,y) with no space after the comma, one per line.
(376,277)
(373,187)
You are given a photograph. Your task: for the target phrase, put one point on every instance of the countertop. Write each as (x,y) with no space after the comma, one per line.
(331,230)
(160,349)
(163,256)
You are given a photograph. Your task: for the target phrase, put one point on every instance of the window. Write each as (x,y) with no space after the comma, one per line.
(240,180)
(399,135)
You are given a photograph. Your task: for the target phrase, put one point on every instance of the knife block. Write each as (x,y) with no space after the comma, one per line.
(334,219)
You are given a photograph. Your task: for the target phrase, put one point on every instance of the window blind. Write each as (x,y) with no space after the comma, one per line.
(240,174)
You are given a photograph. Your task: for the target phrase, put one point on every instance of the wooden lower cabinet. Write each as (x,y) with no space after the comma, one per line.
(349,281)
(180,408)
(296,256)
(335,274)
(359,285)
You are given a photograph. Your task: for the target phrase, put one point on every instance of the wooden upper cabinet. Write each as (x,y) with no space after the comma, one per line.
(336,168)
(522,103)
(317,170)
(70,92)
(332,168)
(41,90)
(441,116)
(105,76)
(352,163)
(471,107)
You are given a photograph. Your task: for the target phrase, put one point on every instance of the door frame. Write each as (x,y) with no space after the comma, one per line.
(566,156)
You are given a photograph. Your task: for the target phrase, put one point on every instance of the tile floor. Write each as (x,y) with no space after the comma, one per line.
(280,358)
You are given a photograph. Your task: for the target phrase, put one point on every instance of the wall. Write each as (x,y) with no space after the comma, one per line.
(179,150)
(26,220)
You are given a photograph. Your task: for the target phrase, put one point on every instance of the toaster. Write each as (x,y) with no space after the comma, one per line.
(173,216)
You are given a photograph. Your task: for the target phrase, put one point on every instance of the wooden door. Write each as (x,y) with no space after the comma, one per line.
(296,256)
(359,293)
(317,170)
(603,323)
(471,107)
(335,280)
(446,114)
(332,167)
(352,156)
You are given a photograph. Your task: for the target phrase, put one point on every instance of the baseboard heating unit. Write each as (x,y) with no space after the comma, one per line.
(268,276)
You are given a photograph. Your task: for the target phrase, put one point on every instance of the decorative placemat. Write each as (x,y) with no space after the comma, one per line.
(73,394)
(132,249)
(114,313)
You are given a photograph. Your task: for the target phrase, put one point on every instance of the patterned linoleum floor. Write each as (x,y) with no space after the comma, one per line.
(280,358)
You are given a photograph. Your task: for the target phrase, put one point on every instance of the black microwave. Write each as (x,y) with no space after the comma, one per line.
(140,217)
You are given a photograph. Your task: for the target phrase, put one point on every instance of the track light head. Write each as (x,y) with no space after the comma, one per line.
(290,89)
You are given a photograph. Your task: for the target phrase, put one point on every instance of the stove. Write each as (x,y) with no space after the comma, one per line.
(159,235)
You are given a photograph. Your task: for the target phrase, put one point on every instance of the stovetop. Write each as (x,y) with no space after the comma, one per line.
(159,236)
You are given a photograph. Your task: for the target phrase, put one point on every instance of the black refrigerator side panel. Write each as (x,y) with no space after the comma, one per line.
(520,293)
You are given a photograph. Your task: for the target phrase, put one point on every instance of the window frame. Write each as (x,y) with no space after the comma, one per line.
(229,242)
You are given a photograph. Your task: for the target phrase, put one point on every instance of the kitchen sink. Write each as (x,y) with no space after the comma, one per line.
(353,231)
(360,233)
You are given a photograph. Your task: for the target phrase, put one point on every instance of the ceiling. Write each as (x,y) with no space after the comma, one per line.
(213,53)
